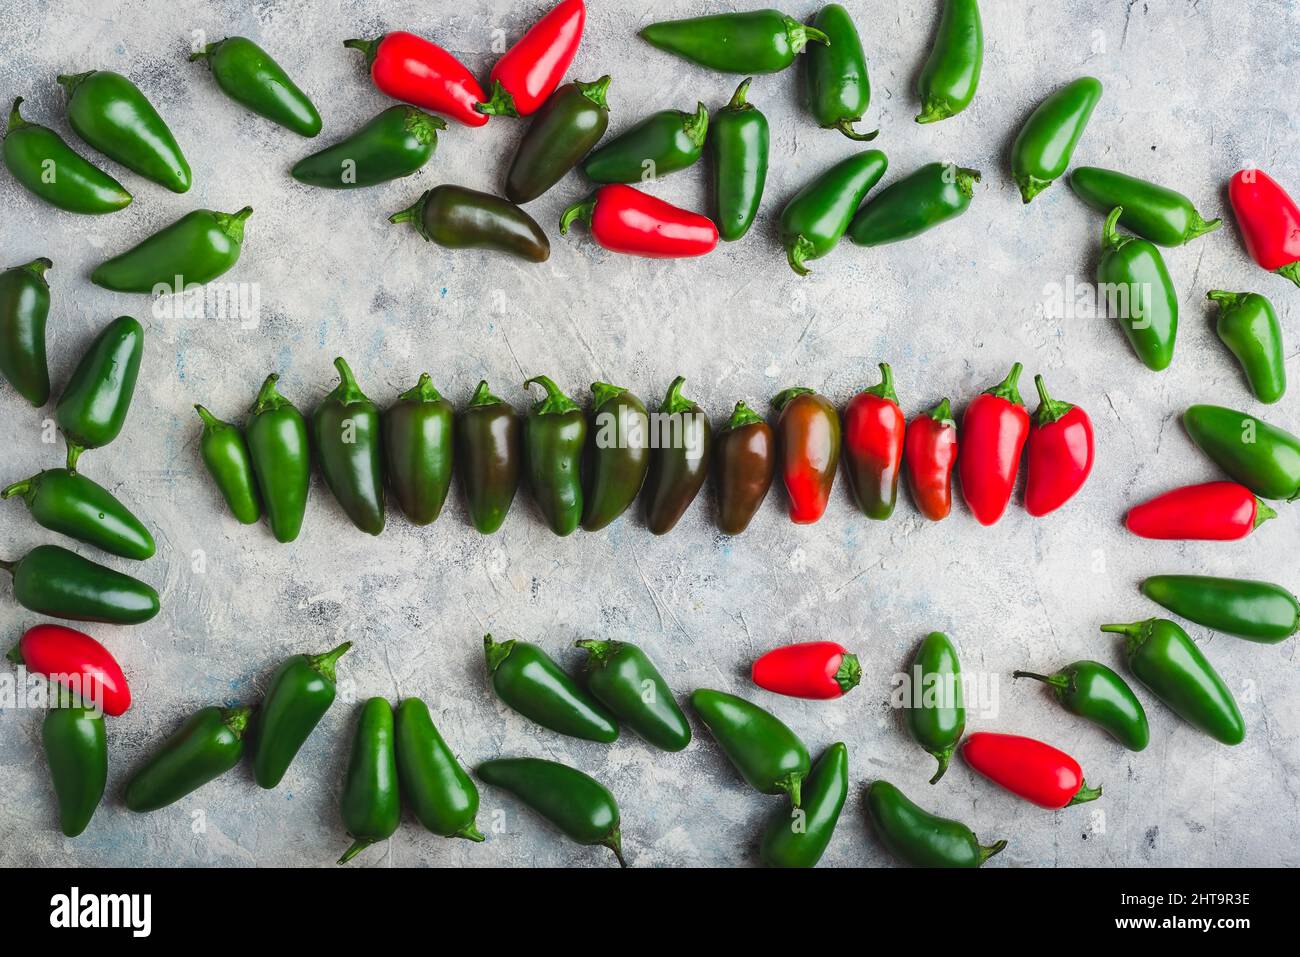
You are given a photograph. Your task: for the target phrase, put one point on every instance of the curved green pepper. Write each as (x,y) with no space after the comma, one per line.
(347,441)
(489,457)
(206,746)
(756,41)
(1168,662)
(738,149)
(566,128)
(1140,294)
(300,692)
(460,218)
(799,838)
(372,802)
(53,581)
(249,75)
(1163,216)
(768,755)
(920,838)
(618,454)
(624,679)
(936,715)
(554,435)
(1044,145)
(921,200)
(1248,326)
(396,143)
(93,407)
(662,143)
(418,431)
(1095,693)
(40,160)
(71,504)
(1260,456)
(76,749)
(197,248)
(24,308)
(813,222)
(839,89)
(951,73)
(679,460)
(529,681)
(110,113)
(436,787)
(225,453)
(1254,610)
(277,446)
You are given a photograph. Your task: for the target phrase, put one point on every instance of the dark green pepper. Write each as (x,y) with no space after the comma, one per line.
(1260,456)
(347,442)
(528,680)
(951,73)
(50,580)
(396,143)
(920,838)
(248,75)
(277,446)
(554,435)
(71,504)
(936,714)
(372,801)
(24,308)
(1043,147)
(297,697)
(197,248)
(799,838)
(1095,693)
(756,41)
(436,787)
(1160,215)
(418,446)
(1254,610)
(738,149)
(815,219)
(77,752)
(489,457)
(566,128)
(660,144)
(1248,326)
(921,200)
(225,453)
(679,460)
(618,454)
(460,218)
(623,678)
(1140,294)
(93,407)
(206,746)
(839,89)
(768,755)
(40,160)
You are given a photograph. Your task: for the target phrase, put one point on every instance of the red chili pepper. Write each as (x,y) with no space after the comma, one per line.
(1214,512)
(993,433)
(1060,453)
(808,433)
(1269,222)
(1030,769)
(813,669)
(626,220)
(412,69)
(530,70)
(874,428)
(930,452)
(76,661)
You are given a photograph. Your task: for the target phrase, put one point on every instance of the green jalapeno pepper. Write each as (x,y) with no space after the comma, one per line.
(624,679)
(24,308)
(278,449)
(76,750)
(554,435)
(346,437)
(71,504)
(936,712)
(1248,326)
(529,681)
(768,755)
(489,457)
(839,89)
(436,787)
(756,41)
(662,143)
(800,837)
(1095,693)
(372,802)
(197,248)
(562,132)
(300,692)
(920,838)
(920,201)
(1157,214)
(1167,661)
(1043,147)
(1260,456)
(50,580)
(250,76)
(93,407)
(576,803)
(110,113)
(951,73)
(679,461)
(813,222)
(206,746)
(1140,294)
(460,218)
(738,150)
(618,454)
(225,454)
(396,143)
(418,446)
(50,168)
(1254,610)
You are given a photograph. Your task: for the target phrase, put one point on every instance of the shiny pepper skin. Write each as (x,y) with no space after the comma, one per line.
(929,456)
(808,433)
(626,220)
(71,658)
(528,73)
(1212,511)
(1030,769)
(874,428)
(818,670)
(1060,452)
(410,68)
(993,434)
(1269,221)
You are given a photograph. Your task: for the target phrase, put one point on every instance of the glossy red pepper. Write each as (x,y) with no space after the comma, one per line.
(1269,221)
(808,436)
(1030,769)
(929,455)
(993,434)
(874,428)
(1214,512)
(528,73)
(411,69)
(626,220)
(813,669)
(77,662)
(1060,451)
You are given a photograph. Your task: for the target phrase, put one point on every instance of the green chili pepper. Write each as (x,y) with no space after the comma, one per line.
(50,580)
(93,407)
(396,143)
(800,837)
(936,716)
(756,41)
(738,150)
(618,454)
(921,200)
(77,752)
(577,804)
(1095,693)
(951,73)
(1043,147)
(71,504)
(562,132)
(225,453)
(248,75)
(554,434)
(460,218)
(768,755)
(623,678)
(40,160)
(277,447)
(920,838)
(528,680)
(815,219)
(436,787)
(489,457)
(660,144)
(1248,326)
(1141,295)
(679,461)
(300,692)
(1167,661)
(372,802)
(346,438)
(24,308)
(1260,456)
(110,113)
(206,746)
(418,431)
(197,248)
(1254,610)
(1160,215)
(839,89)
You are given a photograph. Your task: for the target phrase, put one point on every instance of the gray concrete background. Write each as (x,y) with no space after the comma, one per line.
(1194,90)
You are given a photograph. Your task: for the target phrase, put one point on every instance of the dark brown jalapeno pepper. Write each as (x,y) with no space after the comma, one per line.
(745,457)
(489,457)
(679,463)
(460,218)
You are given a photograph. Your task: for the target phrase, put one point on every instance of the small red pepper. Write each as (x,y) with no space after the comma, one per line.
(808,433)
(1059,452)
(528,73)
(1213,512)
(77,662)
(1030,769)
(626,220)
(929,454)
(412,69)
(814,669)
(993,434)
(874,427)
(1269,221)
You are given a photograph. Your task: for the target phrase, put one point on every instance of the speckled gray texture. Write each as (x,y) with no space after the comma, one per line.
(1194,90)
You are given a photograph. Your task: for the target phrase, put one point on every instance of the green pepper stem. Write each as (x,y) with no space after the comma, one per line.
(499,102)
(268,397)
(18,488)
(496,652)
(583,210)
(1263,512)
(411,214)
(1007,388)
(845,126)
(1110,237)
(696,126)
(236,719)
(423,126)
(204,53)
(602,392)
(15,118)
(792,784)
(1225,300)
(369,47)
(347,392)
(210,422)
(554,402)
(782,399)
(742,416)
(615,843)
(74,456)
(1201,226)
(232,224)
(942,412)
(597,650)
(966,180)
(483,396)
(470,833)
(1084,795)
(987,851)
(1290,271)
(932,111)
(1049,409)
(359,845)
(674,402)
(325,664)
(595,91)
(69,81)
(38,266)
(16,655)
(1133,634)
(738,103)
(801,33)
(798,252)
(885,387)
(1056,681)
(943,757)
(422,391)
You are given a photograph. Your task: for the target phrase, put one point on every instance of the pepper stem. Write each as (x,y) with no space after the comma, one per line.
(943,757)
(236,719)
(1056,681)
(499,103)
(210,421)
(738,102)
(422,391)
(554,402)
(232,224)
(470,833)
(583,210)
(16,655)
(1226,300)
(782,399)
(1007,388)
(204,53)
(1110,237)
(411,214)
(885,387)
(742,416)
(1263,512)
(595,90)
(597,650)
(849,673)
(942,412)
(483,396)
(932,111)
(69,81)
(18,488)
(1291,271)
(268,397)
(325,664)
(798,252)
(359,845)
(801,33)
(15,118)
(792,785)
(966,180)
(845,126)
(615,843)
(368,47)
(1132,634)
(1049,409)
(347,391)
(696,127)
(602,392)
(987,851)
(1201,226)
(74,455)
(496,651)
(1084,795)
(674,402)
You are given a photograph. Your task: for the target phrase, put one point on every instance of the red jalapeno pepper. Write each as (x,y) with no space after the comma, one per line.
(993,434)
(813,669)
(77,662)
(1030,769)
(1060,451)
(808,432)
(1269,221)
(1214,511)
(626,220)
(874,427)
(929,455)
(411,69)
(530,70)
